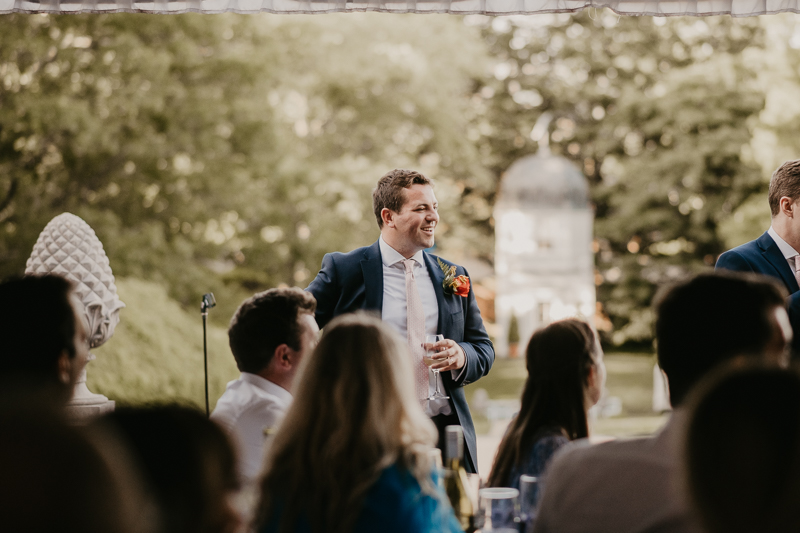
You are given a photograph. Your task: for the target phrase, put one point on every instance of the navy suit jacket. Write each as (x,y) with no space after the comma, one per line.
(763,256)
(353,281)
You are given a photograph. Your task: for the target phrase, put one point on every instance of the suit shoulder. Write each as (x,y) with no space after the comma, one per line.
(744,249)
(739,258)
(352,256)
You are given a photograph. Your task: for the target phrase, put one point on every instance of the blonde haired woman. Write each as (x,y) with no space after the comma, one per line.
(352,453)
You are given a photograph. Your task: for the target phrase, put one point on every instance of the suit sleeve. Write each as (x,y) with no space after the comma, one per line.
(731,260)
(476,344)
(326,291)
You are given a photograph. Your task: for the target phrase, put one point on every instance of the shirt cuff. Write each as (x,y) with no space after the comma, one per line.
(457,375)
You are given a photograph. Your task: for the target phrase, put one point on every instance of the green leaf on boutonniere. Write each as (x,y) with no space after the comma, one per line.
(449,283)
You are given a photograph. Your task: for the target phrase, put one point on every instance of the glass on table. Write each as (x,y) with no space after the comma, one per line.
(528,497)
(499,507)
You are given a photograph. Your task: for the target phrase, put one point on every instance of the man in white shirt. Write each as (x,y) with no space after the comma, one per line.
(269,335)
(635,485)
(409,288)
(775,253)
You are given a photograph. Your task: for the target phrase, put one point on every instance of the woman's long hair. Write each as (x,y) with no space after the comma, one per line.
(355,413)
(559,359)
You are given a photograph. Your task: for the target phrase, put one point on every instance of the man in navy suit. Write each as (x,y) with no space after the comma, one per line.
(775,253)
(407,286)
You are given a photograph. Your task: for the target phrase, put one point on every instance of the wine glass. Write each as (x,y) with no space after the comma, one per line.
(430,340)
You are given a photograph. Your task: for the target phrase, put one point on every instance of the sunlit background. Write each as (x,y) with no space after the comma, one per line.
(228,153)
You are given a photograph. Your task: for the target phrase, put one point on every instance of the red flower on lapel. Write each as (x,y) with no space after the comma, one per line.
(452,284)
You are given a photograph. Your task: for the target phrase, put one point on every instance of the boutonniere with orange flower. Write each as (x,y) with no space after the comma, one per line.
(458,285)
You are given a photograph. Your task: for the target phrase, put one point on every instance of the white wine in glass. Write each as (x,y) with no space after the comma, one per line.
(429,360)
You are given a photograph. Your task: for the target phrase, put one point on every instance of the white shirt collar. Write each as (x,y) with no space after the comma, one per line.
(390,256)
(268,386)
(786,249)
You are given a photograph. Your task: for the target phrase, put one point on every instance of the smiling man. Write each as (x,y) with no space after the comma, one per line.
(417,294)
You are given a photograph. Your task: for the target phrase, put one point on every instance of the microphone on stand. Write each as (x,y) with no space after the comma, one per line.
(207,303)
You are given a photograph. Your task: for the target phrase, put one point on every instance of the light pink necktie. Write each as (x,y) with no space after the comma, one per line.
(793,264)
(415,330)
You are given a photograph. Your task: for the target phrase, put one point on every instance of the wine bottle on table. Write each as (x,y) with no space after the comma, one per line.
(455,479)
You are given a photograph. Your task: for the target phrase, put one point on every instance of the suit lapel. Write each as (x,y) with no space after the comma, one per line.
(773,254)
(437,278)
(372,270)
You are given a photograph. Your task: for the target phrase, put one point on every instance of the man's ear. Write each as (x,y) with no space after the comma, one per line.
(64,368)
(282,358)
(387,215)
(787,206)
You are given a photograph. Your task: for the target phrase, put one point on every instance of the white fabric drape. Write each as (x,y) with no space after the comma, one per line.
(737,8)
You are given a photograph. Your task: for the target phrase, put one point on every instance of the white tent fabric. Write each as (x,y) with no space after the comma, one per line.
(737,8)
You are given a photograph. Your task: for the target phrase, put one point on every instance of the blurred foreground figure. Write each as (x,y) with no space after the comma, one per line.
(187,464)
(566,376)
(269,335)
(352,454)
(43,340)
(743,451)
(59,478)
(632,486)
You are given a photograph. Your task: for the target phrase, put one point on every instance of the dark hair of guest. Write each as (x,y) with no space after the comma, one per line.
(710,318)
(58,477)
(743,450)
(187,463)
(37,325)
(559,359)
(265,321)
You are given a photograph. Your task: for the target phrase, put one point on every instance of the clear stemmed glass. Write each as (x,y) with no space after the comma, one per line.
(429,360)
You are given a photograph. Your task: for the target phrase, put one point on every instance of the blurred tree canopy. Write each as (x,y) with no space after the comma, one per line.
(660,115)
(229,152)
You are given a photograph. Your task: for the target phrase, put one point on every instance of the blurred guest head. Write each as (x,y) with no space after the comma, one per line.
(743,450)
(714,317)
(355,413)
(271,331)
(566,376)
(62,478)
(187,463)
(43,333)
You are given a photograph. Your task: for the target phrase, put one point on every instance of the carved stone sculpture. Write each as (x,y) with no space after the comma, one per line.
(68,246)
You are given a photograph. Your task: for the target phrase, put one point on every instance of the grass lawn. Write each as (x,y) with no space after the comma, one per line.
(630,378)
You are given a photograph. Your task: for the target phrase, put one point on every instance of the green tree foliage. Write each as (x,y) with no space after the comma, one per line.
(229,152)
(156,353)
(656,112)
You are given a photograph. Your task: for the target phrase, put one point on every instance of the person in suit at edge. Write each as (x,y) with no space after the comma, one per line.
(408,288)
(775,253)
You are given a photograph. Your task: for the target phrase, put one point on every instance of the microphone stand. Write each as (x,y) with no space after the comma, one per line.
(207,303)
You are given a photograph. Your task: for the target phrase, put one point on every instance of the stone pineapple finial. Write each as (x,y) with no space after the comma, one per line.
(69,246)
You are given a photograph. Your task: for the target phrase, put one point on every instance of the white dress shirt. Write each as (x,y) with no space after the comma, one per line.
(623,486)
(394,306)
(249,410)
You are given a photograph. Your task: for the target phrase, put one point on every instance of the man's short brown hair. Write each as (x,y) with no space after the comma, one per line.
(265,321)
(389,191)
(785,182)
